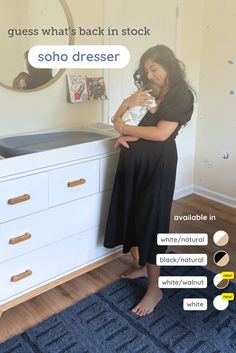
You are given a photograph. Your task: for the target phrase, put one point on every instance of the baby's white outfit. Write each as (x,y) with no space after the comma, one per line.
(134,115)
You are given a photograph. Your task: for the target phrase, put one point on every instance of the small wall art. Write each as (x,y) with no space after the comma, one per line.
(81,88)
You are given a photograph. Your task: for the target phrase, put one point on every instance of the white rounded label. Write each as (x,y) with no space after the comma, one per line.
(79,56)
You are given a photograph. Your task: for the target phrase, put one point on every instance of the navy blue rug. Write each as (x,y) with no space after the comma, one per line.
(103,323)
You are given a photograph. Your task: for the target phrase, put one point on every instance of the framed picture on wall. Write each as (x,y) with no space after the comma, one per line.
(96,88)
(76,88)
(81,88)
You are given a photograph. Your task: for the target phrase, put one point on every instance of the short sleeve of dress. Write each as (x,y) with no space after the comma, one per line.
(177,105)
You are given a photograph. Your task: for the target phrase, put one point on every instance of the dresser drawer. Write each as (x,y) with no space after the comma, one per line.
(23,196)
(108,166)
(73,182)
(39,267)
(29,233)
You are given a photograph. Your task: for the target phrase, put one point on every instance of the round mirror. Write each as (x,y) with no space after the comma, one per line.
(23,24)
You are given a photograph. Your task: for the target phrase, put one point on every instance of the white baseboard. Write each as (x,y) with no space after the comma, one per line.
(209,194)
(216,196)
(187,190)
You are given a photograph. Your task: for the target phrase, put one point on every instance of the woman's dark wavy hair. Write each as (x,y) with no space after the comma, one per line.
(38,77)
(165,57)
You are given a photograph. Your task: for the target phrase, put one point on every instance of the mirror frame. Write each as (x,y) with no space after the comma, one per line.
(61,71)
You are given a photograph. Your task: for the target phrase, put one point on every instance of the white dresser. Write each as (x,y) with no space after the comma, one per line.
(53,206)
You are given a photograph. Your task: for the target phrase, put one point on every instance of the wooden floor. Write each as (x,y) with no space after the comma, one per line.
(28,314)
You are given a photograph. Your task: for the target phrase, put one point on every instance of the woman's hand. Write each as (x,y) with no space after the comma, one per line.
(21,81)
(138,98)
(122,141)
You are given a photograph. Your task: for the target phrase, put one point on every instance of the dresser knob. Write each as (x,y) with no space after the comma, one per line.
(19,239)
(16,278)
(72,184)
(19,199)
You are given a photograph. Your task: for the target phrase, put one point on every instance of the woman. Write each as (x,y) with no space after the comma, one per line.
(145,178)
(33,78)
(38,77)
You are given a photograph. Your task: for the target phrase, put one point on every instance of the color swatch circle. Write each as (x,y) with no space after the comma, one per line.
(220,238)
(220,282)
(219,303)
(221,258)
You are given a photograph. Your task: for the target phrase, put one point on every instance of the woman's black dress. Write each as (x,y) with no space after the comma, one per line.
(144,183)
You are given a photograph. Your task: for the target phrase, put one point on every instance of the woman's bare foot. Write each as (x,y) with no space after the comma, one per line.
(150,300)
(134,253)
(140,272)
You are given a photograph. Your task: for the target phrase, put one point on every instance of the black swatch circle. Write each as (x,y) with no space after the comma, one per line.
(221,258)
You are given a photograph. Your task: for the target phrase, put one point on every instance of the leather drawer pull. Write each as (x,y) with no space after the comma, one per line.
(19,239)
(16,278)
(71,184)
(19,199)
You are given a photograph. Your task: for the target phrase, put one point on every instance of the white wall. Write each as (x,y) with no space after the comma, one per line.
(32,111)
(8,19)
(189,45)
(216,127)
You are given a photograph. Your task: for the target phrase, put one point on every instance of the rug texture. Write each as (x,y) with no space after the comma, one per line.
(103,323)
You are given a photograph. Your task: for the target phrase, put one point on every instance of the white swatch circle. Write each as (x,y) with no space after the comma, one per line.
(220,238)
(219,303)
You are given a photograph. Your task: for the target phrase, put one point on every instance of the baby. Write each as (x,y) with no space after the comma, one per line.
(134,115)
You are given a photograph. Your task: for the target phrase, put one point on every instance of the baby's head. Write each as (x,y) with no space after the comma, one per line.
(155,89)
